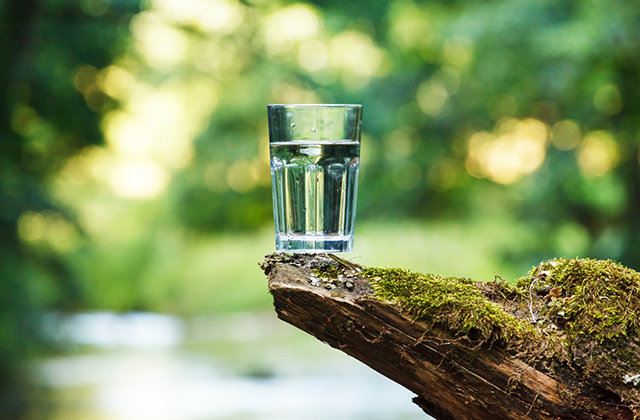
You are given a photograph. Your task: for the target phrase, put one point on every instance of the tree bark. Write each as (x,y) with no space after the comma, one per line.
(452,379)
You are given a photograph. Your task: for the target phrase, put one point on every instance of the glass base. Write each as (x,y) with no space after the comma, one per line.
(314,244)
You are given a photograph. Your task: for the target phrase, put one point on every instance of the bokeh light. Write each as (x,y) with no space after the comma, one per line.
(399,143)
(598,153)
(443,174)
(313,55)
(608,100)
(115,81)
(48,228)
(410,26)
(517,148)
(356,56)
(31,226)
(432,96)
(215,176)
(458,51)
(571,240)
(289,25)
(242,176)
(159,43)
(216,16)
(138,179)
(566,134)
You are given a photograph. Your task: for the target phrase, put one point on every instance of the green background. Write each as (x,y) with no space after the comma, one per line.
(134,171)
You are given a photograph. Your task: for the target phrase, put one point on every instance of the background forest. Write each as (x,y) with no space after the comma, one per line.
(134,168)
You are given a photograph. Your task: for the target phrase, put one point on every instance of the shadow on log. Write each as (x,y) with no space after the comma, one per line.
(454,377)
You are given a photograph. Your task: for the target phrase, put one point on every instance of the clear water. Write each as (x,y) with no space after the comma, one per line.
(314,194)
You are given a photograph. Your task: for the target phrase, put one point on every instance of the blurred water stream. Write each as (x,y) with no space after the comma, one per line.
(242,366)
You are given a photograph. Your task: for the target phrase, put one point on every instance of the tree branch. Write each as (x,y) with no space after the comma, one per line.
(453,377)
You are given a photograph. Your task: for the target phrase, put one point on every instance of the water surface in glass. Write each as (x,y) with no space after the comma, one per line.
(314,167)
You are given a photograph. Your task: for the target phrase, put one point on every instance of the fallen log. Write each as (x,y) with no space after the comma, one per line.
(546,348)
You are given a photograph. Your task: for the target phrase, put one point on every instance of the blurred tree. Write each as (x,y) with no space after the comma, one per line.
(47,49)
(507,109)
(525,110)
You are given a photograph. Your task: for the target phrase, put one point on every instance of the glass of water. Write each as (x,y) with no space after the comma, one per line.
(315,155)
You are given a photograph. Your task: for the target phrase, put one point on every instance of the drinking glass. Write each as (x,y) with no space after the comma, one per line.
(315,155)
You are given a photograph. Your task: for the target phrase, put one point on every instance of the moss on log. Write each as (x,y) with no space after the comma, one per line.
(560,343)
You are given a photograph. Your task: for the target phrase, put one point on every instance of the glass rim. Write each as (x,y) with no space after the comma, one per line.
(314,106)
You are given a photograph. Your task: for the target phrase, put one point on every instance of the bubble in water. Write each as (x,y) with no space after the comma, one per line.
(313,130)
(293,125)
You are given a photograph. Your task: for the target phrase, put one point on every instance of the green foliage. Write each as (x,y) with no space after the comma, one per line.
(447,71)
(230,210)
(44,120)
(448,91)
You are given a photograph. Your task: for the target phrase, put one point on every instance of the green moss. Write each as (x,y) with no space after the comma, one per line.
(329,271)
(597,298)
(580,314)
(456,304)
(337,293)
(596,306)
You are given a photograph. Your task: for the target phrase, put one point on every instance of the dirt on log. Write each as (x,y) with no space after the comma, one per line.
(526,362)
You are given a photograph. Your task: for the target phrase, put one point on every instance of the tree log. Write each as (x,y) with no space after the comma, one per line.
(452,378)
